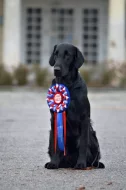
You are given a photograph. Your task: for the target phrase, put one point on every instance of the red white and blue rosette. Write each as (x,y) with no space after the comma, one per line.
(58,99)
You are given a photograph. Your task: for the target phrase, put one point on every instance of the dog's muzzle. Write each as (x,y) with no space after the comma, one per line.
(57,71)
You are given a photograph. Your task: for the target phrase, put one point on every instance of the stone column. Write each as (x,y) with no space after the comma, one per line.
(12,33)
(1,30)
(78,32)
(116,31)
(46,42)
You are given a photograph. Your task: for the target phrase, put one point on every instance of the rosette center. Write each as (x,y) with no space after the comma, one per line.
(58,98)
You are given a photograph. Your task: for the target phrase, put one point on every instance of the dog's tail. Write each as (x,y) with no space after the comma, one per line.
(99,165)
(96,163)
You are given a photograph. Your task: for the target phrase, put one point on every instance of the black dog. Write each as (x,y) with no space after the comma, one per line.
(82,147)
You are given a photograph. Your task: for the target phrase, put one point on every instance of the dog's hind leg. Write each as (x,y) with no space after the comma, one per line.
(83,147)
(95,150)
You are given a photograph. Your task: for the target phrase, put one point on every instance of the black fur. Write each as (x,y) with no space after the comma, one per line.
(82,144)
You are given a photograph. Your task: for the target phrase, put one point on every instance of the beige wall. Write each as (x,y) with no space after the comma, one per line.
(1,30)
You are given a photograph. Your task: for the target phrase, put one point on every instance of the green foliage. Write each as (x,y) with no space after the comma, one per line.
(86,75)
(5,76)
(21,74)
(98,76)
(107,77)
(123,82)
(41,76)
(123,75)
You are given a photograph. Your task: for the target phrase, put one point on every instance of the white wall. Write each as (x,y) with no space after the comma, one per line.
(12,33)
(1,31)
(116,28)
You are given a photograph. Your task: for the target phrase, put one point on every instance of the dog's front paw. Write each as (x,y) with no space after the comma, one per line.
(51,165)
(80,165)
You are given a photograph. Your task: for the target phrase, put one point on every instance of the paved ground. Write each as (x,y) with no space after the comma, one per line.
(24,126)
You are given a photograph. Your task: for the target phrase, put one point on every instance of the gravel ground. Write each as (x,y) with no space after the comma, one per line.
(24,130)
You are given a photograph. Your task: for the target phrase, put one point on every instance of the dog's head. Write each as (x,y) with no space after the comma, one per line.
(64,58)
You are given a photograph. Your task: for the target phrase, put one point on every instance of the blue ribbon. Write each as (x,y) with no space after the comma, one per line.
(60,131)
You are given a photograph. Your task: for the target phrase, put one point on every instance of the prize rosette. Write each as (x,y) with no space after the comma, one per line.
(58,99)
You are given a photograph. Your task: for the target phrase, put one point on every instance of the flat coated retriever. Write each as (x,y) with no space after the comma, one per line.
(82,147)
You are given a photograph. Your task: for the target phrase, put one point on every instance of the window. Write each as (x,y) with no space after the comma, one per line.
(90,34)
(61,25)
(33,35)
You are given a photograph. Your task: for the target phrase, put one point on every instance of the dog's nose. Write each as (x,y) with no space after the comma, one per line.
(57,71)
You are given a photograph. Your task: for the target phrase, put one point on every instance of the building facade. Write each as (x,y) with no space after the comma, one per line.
(29,29)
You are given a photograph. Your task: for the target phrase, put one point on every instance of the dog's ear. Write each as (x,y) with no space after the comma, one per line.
(79,59)
(51,60)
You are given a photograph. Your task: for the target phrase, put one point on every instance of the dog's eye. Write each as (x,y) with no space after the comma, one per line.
(67,54)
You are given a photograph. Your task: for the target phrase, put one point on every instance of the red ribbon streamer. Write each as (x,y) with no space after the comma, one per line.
(55,131)
(64,127)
